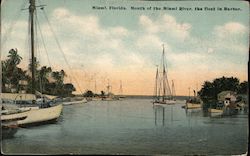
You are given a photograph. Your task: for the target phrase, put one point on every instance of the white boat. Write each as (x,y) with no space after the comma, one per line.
(35,113)
(13,115)
(110,96)
(121,96)
(163,93)
(169,102)
(42,115)
(192,105)
(215,112)
(212,110)
(75,102)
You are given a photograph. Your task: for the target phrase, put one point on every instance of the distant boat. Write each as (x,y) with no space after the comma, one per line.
(75,102)
(46,111)
(121,96)
(194,102)
(190,105)
(110,96)
(214,112)
(163,94)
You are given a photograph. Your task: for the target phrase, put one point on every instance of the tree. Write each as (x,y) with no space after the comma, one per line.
(14,58)
(210,90)
(102,93)
(242,88)
(88,93)
(44,73)
(68,88)
(11,72)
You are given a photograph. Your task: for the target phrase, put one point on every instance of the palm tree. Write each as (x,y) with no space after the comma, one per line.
(14,58)
(44,73)
(11,73)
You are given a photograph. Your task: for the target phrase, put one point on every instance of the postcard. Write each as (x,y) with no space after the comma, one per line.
(124,77)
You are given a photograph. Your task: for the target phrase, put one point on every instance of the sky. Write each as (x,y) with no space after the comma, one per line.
(111,46)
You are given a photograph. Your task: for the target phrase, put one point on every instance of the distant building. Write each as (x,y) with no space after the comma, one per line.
(227,97)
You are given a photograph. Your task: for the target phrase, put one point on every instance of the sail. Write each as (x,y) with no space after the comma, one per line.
(162,88)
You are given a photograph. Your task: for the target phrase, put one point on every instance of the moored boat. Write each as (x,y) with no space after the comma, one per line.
(192,105)
(75,102)
(36,110)
(43,115)
(214,112)
(163,93)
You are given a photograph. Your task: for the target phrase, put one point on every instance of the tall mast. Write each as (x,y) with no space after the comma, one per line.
(164,72)
(173,91)
(156,82)
(1,80)
(31,12)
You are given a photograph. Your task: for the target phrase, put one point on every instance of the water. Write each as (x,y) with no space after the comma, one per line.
(133,126)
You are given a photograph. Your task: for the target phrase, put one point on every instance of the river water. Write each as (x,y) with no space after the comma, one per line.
(133,126)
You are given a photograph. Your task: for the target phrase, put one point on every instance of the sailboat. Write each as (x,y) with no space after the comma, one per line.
(35,114)
(163,94)
(121,96)
(110,96)
(193,103)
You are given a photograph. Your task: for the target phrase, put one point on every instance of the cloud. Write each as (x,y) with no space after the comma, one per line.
(119,31)
(148,24)
(149,41)
(231,36)
(165,24)
(231,28)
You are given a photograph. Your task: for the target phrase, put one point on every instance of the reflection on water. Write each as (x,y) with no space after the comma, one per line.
(133,126)
(160,112)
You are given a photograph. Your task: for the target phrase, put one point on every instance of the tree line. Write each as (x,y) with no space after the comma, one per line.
(47,81)
(210,90)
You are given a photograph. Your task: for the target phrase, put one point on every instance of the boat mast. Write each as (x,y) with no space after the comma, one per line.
(1,80)
(173,89)
(156,84)
(164,73)
(31,12)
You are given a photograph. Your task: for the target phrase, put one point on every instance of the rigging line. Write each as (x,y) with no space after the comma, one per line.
(61,50)
(43,43)
(9,30)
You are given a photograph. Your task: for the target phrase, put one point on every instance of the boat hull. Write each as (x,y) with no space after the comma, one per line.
(167,102)
(211,110)
(14,116)
(39,116)
(192,106)
(75,102)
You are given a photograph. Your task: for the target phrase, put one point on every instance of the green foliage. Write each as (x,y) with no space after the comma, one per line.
(12,74)
(243,88)
(210,90)
(88,93)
